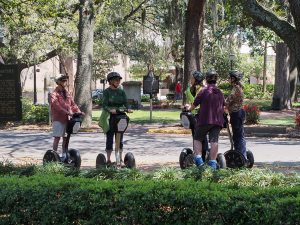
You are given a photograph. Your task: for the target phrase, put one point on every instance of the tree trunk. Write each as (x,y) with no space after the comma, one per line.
(85,59)
(66,67)
(193,39)
(265,67)
(293,77)
(281,97)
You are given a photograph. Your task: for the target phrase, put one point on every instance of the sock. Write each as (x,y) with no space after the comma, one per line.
(198,160)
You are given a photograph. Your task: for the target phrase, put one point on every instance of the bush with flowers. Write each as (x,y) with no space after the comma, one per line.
(297,119)
(252,114)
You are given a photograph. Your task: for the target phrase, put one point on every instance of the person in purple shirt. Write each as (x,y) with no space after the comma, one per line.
(209,118)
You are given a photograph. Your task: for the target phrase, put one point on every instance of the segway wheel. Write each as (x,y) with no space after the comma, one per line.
(221,161)
(75,158)
(250,159)
(100,161)
(234,159)
(129,160)
(51,156)
(186,158)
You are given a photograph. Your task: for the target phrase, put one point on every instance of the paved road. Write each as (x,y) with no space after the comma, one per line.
(150,150)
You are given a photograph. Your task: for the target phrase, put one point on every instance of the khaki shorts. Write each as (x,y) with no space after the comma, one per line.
(59,129)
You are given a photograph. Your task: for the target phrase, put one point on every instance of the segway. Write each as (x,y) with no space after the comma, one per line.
(73,158)
(119,124)
(186,158)
(234,158)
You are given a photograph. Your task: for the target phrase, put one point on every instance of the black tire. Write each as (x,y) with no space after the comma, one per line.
(129,160)
(250,159)
(234,159)
(186,158)
(75,158)
(51,156)
(221,161)
(100,161)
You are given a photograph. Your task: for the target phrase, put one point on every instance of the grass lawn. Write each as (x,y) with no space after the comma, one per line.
(143,116)
(284,121)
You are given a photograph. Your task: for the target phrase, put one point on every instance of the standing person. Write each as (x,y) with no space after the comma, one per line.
(114,98)
(62,106)
(209,119)
(234,105)
(190,93)
(178,91)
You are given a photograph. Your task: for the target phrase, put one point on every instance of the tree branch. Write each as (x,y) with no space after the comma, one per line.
(295,10)
(268,19)
(133,11)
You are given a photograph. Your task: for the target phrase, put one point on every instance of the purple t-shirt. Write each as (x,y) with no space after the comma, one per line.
(212,104)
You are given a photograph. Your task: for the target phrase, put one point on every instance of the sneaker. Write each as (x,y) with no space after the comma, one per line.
(198,160)
(213,164)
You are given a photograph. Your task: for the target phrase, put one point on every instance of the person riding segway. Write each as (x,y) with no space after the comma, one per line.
(114,122)
(66,118)
(187,119)
(209,119)
(238,155)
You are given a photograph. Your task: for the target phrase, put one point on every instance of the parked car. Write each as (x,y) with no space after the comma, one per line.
(97,96)
(97,93)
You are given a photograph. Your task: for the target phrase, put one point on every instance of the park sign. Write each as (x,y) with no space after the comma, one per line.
(150,84)
(10,93)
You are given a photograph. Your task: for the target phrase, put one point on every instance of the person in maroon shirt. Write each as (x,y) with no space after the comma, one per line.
(209,118)
(62,106)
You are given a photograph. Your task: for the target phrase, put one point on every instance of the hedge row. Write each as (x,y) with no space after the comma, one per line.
(61,200)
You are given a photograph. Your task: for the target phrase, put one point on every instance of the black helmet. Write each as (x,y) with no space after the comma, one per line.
(113,75)
(236,74)
(211,75)
(198,76)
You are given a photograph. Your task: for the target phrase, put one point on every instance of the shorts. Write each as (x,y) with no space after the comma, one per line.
(212,130)
(59,129)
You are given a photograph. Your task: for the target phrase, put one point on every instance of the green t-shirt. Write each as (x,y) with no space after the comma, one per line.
(114,99)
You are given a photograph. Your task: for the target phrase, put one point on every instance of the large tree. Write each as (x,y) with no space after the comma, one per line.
(288,29)
(193,38)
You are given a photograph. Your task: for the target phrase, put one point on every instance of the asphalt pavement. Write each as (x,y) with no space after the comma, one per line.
(150,150)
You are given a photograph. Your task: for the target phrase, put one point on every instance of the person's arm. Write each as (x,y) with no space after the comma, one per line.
(105,100)
(197,101)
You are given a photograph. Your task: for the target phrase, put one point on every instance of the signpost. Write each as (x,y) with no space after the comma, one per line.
(150,86)
(10,93)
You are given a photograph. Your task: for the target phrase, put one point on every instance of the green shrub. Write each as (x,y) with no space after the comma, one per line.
(34,113)
(145,98)
(60,200)
(251,91)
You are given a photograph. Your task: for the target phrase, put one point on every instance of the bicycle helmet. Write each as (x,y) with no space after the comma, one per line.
(112,76)
(211,75)
(236,74)
(61,77)
(198,76)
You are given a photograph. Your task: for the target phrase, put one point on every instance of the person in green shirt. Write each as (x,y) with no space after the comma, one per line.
(191,92)
(114,98)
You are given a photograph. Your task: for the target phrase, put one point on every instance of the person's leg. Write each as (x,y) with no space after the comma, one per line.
(55,143)
(199,136)
(109,144)
(236,120)
(204,148)
(214,147)
(121,147)
(58,131)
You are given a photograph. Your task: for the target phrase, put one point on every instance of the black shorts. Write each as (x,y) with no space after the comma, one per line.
(213,132)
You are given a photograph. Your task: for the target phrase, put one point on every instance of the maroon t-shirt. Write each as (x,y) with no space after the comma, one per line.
(211,101)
